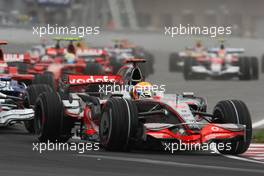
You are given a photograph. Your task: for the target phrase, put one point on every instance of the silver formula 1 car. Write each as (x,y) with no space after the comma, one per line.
(221,63)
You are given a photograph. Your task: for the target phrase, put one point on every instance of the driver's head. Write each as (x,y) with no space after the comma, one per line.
(1,55)
(142,90)
(69,57)
(222,46)
(199,44)
(71,48)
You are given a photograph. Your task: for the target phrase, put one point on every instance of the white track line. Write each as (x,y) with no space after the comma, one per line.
(258,124)
(242,158)
(256,145)
(170,163)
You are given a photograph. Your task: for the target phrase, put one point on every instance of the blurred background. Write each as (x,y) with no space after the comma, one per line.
(246,17)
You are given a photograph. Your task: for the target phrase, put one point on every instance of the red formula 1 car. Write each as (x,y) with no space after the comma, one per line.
(119,120)
(95,55)
(14,66)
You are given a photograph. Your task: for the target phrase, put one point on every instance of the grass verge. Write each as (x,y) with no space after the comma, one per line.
(258,136)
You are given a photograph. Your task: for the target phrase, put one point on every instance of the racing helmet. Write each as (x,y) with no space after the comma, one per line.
(142,90)
(1,55)
(222,46)
(199,44)
(69,57)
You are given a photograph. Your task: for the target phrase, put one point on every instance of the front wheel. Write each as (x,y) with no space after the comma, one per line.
(173,62)
(93,69)
(262,64)
(244,67)
(32,94)
(118,124)
(49,119)
(236,112)
(187,68)
(254,68)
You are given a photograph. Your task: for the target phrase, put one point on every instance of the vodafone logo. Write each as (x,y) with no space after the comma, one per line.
(75,79)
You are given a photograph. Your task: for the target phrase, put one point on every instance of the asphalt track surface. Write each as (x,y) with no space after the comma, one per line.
(18,158)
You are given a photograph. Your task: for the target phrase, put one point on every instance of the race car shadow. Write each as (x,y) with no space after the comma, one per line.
(153,152)
(15,129)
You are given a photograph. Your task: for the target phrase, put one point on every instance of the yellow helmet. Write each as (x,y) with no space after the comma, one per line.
(142,90)
(69,57)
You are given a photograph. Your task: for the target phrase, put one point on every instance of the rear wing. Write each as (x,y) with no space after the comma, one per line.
(90,52)
(70,39)
(67,38)
(2,42)
(228,50)
(119,50)
(135,61)
(15,57)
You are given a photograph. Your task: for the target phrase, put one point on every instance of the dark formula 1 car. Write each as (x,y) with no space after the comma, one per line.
(95,55)
(12,107)
(123,50)
(119,121)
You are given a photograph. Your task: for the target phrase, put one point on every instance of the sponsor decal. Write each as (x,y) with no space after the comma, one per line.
(13,57)
(79,79)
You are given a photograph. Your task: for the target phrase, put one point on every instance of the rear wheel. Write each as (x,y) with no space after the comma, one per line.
(115,64)
(244,66)
(50,123)
(21,66)
(262,64)
(32,94)
(236,112)
(93,69)
(187,68)
(173,62)
(46,78)
(254,68)
(118,124)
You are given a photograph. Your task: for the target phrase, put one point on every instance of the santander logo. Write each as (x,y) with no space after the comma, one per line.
(80,79)
(13,57)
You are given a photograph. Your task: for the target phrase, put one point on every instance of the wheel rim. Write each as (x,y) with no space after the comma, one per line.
(40,120)
(105,126)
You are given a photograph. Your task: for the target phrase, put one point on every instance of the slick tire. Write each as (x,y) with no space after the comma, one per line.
(187,68)
(150,63)
(21,66)
(32,94)
(115,64)
(50,123)
(262,64)
(254,62)
(244,67)
(93,69)
(118,124)
(45,78)
(234,111)
(173,61)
